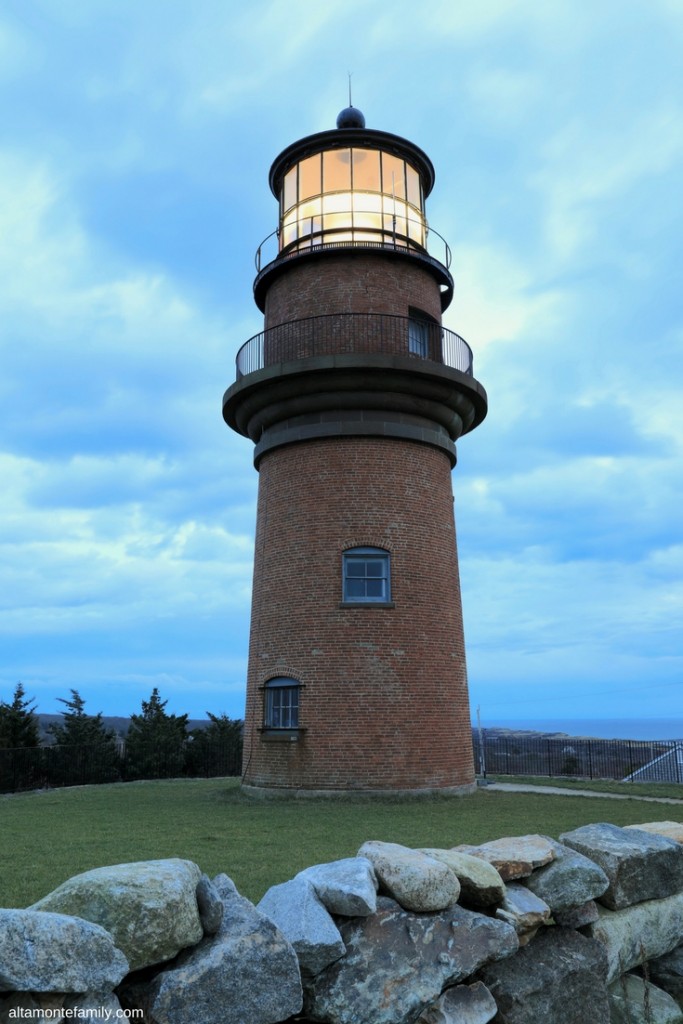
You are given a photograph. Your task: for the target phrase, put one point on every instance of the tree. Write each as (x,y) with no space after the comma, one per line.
(216,749)
(18,723)
(87,751)
(155,744)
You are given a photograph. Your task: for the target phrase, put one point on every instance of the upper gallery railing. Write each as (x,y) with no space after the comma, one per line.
(343,228)
(353,334)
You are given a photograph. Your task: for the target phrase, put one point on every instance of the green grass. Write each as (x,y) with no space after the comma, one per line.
(48,836)
(632,789)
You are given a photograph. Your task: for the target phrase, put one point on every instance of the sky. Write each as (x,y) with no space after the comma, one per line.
(135,146)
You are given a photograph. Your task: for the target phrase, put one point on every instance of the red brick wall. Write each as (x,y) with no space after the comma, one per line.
(384,703)
(351,282)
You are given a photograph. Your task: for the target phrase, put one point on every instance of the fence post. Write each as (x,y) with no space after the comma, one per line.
(550,766)
(630,760)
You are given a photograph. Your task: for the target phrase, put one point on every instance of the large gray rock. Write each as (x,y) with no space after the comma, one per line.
(578,917)
(39,1006)
(45,952)
(639,865)
(667,973)
(464,1004)
(417,882)
(635,1001)
(523,910)
(209,905)
(295,909)
(346,887)
(515,856)
(93,1006)
(480,883)
(670,829)
(558,978)
(397,963)
(150,907)
(638,933)
(569,881)
(247,971)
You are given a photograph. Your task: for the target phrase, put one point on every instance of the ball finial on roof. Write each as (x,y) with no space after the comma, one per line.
(350,117)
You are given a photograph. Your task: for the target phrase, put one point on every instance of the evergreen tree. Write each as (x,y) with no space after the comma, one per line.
(217,749)
(155,744)
(78,728)
(18,723)
(86,750)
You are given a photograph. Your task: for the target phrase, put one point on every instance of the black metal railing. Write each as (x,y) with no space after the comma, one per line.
(55,766)
(353,334)
(502,753)
(353,228)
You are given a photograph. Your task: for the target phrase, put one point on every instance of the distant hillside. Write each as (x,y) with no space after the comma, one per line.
(117,724)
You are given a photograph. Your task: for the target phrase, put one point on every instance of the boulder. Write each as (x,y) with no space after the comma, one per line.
(247,971)
(558,978)
(295,909)
(524,911)
(464,1004)
(639,865)
(569,881)
(46,952)
(670,829)
(417,882)
(638,933)
(397,963)
(667,973)
(209,905)
(635,1001)
(513,857)
(92,1006)
(31,1006)
(346,887)
(150,907)
(578,917)
(480,883)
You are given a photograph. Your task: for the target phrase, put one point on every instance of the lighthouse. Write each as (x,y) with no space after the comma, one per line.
(354,395)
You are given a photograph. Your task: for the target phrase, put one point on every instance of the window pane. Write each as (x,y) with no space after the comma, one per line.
(282,707)
(289,190)
(393,176)
(374,588)
(309,177)
(355,567)
(375,568)
(337,170)
(355,588)
(366,169)
(413,186)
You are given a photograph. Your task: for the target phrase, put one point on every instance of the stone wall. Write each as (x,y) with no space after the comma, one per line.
(519,930)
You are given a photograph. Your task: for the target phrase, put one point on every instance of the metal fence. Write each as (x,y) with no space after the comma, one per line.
(577,757)
(54,766)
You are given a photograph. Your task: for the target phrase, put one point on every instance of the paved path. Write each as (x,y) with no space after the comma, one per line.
(513,787)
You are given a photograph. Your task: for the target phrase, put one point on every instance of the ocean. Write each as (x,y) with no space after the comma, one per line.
(600,728)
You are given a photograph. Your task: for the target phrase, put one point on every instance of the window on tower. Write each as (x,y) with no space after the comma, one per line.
(424,335)
(281,710)
(366,576)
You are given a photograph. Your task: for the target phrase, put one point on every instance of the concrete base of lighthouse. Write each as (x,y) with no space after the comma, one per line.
(285,793)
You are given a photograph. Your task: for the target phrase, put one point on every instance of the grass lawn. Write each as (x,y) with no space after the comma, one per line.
(45,837)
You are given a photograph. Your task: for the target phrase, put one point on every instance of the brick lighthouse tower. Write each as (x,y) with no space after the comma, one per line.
(354,396)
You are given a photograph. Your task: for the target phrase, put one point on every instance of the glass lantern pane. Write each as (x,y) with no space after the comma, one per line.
(337,170)
(289,189)
(393,176)
(309,177)
(366,170)
(413,180)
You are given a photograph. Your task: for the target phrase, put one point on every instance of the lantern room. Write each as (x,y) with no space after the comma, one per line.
(352,187)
